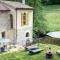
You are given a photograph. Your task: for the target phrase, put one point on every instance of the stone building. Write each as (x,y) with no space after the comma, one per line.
(16,22)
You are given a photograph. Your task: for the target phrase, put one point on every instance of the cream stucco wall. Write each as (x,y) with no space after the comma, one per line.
(5,26)
(30,18)
(22,30)
(4,21)
(12,32)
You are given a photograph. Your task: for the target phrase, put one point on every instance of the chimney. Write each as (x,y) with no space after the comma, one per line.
(23,1)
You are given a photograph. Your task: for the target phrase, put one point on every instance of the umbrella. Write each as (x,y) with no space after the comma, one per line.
(54,34)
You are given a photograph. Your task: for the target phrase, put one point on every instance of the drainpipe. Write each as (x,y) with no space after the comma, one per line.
(16,26)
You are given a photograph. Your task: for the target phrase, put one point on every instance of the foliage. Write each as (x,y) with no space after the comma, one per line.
(51,2)
(50,40)
(30,2)
(39,21)
(15,0)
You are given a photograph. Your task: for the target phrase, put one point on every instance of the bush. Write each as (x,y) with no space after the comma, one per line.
(50,40)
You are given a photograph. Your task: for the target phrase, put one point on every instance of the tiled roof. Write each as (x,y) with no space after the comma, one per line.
(3,7)
(17,5)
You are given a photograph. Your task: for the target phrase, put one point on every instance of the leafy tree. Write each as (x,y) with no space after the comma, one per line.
(39,21)
(51,2)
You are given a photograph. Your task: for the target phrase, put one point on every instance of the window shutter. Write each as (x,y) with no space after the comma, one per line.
(21,19)
(27,21)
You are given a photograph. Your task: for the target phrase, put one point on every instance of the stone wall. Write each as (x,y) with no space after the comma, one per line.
(5,23)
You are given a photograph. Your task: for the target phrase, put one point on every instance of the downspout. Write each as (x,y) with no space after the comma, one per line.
(16,25)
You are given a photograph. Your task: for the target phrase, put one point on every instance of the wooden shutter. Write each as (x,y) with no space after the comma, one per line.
(27,20)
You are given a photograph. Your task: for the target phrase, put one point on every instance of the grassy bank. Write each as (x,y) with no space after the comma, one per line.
(23,55)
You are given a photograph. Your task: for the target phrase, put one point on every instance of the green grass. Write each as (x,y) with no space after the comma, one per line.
(51,14)
(23,55)
(47,18)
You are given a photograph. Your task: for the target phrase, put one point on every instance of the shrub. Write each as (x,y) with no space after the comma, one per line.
(50,40)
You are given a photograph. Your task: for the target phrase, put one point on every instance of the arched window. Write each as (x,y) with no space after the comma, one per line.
(24,19)
(27,34)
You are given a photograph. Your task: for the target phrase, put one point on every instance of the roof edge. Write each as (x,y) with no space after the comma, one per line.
(24,8)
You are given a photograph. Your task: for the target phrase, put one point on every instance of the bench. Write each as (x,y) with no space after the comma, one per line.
(33,49)
(30,47)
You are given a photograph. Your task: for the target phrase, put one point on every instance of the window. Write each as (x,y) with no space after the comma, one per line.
(24,20)
(11,19)
(27,34)
(3,34)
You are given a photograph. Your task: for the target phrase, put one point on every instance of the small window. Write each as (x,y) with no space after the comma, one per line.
(3,34)
(27,34)
(11,19)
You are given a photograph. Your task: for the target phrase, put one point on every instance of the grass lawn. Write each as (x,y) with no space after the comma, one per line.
(52,17)
(48,18)
(23,55)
